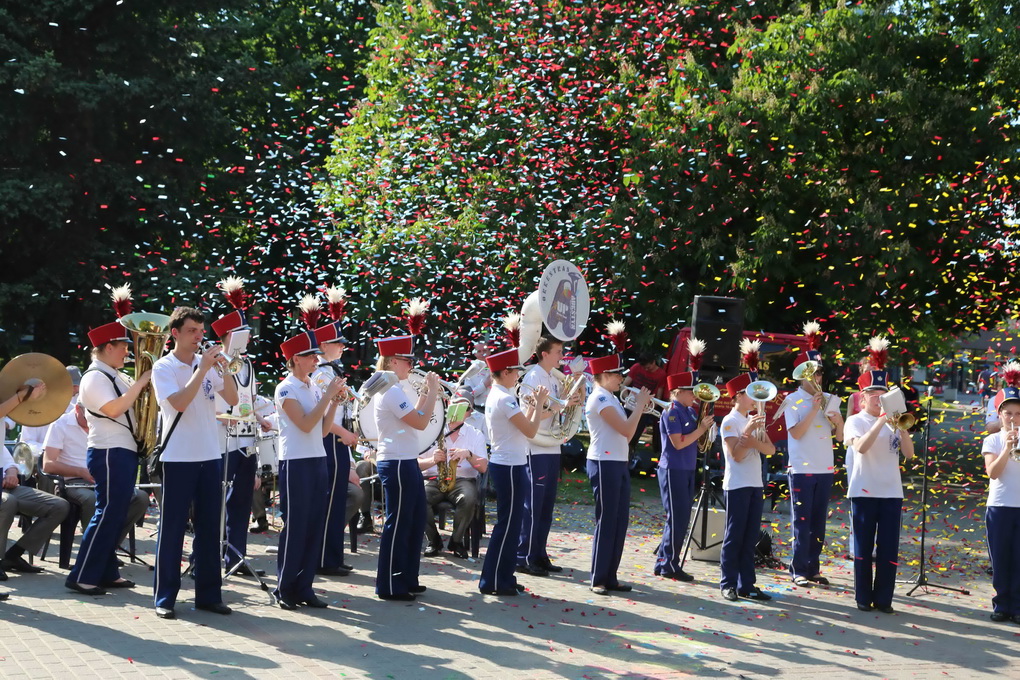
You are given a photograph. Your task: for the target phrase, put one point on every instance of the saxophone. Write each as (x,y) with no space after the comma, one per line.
(446,475)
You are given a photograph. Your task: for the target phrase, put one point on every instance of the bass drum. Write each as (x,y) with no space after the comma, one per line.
(364,420)
(267,446)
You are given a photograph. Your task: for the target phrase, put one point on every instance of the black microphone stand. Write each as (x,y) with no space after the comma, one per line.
(921,580)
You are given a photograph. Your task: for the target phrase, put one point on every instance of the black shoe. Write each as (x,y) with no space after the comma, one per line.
(4,596)
(365,524)
(502,592)
(398,597)
(417,590)
(165,613)
(999,617)
(342,570)
(756,594)
(120,563)
(286,605)
(78,588)
(3,575)
(600,590)
(215,608)
(458,550)
(730,594)
(678,576)
(314,603)
(1015,618)
(259,528)
(865,607)
(819,579)
(886,609)
(552,568)
(622,587)
(520,588)
(123,583)
(533,570)
(433,549)
(20,564)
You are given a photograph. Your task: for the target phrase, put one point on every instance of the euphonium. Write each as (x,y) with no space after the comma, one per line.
(707,394)
(150,333)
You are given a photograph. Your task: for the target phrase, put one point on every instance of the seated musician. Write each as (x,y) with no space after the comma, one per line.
(64,455)
(47,510)
(465,445)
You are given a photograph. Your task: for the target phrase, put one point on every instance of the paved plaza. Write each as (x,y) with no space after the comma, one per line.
(559,629)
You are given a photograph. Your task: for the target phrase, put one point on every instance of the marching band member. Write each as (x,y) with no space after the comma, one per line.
(509,430)
(465,445)
(1002,512)
(338,441)
(542,469)
(608,469)
(397,461)
(306,416)
(112,455)
(238,438)
(875,491)
(680,431)
(185,387)
(813,422)
(743,445)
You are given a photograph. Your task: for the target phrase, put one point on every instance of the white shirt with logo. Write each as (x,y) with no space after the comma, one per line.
(539,377)
(508,444)
(295,443)
(605,443)
(196,438)
(96,391)
(1003,492)
(875,474)
(397,439)
(812,453)
(747,472)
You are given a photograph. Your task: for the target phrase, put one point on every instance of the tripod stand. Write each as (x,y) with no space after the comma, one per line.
(705,494)
(228,484)
(921,580)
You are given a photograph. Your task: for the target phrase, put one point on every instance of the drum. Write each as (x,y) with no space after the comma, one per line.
(268,454)
(364,420)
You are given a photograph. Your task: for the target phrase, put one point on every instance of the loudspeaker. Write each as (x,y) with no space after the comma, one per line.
(707,536)
(719,321)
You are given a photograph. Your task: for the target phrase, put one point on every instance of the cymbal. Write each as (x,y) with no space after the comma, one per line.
(35,368)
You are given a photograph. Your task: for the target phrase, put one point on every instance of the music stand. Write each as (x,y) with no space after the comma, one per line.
(228,484)
(921,580)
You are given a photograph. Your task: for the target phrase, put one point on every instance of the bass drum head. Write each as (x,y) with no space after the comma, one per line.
(364,416)
(267,452)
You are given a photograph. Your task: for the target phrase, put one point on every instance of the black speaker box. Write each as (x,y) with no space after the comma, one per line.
(719,321)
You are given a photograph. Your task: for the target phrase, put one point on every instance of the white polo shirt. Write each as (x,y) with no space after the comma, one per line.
(812,453)
(196,438)
(67,435)
(539,377)
(397,439)
(467,438)
(605,443)
(875,474)
(96,391)
(508,444)
(1003,492)
(747,472)
(294,442)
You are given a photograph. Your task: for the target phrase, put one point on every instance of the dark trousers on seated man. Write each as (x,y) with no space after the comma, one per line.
(47,511)
(85,498)
(464,497)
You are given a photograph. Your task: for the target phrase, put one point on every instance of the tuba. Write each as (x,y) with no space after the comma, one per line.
(150,333)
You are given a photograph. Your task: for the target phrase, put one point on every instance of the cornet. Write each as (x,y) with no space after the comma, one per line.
(807,371)
(231,363)
(895,406)
(656,407)
(1014,453)
(526,393)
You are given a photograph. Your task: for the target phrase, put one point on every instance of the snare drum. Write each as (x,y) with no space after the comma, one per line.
(268,451)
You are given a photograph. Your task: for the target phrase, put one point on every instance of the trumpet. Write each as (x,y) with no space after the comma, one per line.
(807,371)
(762,392)
(895,406)
(526,393)
(656,407)
(1014,453)
(707,394)
(231,363)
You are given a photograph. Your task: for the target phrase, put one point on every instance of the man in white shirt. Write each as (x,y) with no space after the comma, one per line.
(186,385)
(813,422)
(466,446)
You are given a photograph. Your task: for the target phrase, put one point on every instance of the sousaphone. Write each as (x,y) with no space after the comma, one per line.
(35,369)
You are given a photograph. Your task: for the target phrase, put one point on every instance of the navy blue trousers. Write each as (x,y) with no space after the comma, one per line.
(1002,527)
(610,483)
(876,529)
(115,472)
(338,469)
(510,483)
(743,529)
(404,528)
(677,490)
(302,501)
(186,485)
(241,474)
(543,476)
(809,504)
